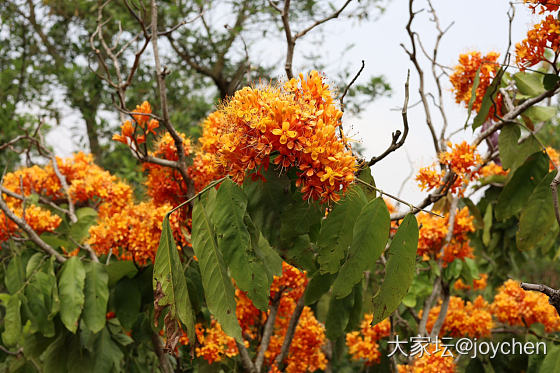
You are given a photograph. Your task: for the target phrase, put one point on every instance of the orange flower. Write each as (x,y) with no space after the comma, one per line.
(362,344)
(492,169)
(463,319)
(544,35)
(515,306)
(432,361)
(433,231)
(543,5)
(294,124)
(478,284)
(463,160)
(463,77)
(553,156)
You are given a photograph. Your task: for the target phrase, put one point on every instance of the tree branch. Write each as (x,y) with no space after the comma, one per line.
(290,332)
(552,294)
(267,333)
(395,142)
(245,358)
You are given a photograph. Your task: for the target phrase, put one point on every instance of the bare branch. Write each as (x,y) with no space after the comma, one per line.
(268,330)
(395,142)
(290,332)
(245,358)
(64,184)
(552,294)
(321,21)
(350,85)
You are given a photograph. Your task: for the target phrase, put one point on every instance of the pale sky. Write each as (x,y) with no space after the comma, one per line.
(479,25)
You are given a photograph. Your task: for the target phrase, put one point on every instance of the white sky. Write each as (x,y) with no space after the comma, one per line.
(479,25)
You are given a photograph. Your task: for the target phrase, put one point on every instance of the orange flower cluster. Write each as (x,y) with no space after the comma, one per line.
(478,283)
(87,184)
(431,362)
(463,319)
(293,125)
(432,234)
(362,344)
(142,121)
(135,229)
(515,306)
(214,343)
(462,159)
(165,185)
(544,35)
(492,169)
(465,72)
(543,5)
(305,354)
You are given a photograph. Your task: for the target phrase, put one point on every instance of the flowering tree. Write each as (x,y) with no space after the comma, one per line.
(264,243)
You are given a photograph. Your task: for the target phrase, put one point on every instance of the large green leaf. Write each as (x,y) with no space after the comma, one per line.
(551,363)
(336,230)
(108,355)
(517,190)
(234,241)
(513,154)
(12,319)
(96,296)
(71,291)
(119,269)
(38,303)
(399,271)
(218,289)
(529,84)
(15,274)
(169,274)
(540,113)
(55,356)
(127,301)
(338,315)
(318,285)
(369,237)
(537,218)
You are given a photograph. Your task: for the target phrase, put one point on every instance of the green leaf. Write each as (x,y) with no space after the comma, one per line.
(529,84)
(218,289)
(234,241)
(12,320)
(399,271)
(369,237)
(96,296)
(476,82)
(537,218)
(517,190)
(54,357)
(540,113)
(71,291)
(15,274)
(357,308)
(487,225)
(488,100)
(38,303)
(513,154)
(550,81)
(338,315)
(86,218)
(336,230)
(127,301)
(119,269)
(551,363)
(108,355)
(318,285)
(169,274)
(33,264)
(365,175)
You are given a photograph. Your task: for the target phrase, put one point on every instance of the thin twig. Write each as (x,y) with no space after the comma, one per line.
(411,206)
(64,184)
(397,141)
(350,85)
(245,358)
(290,331)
